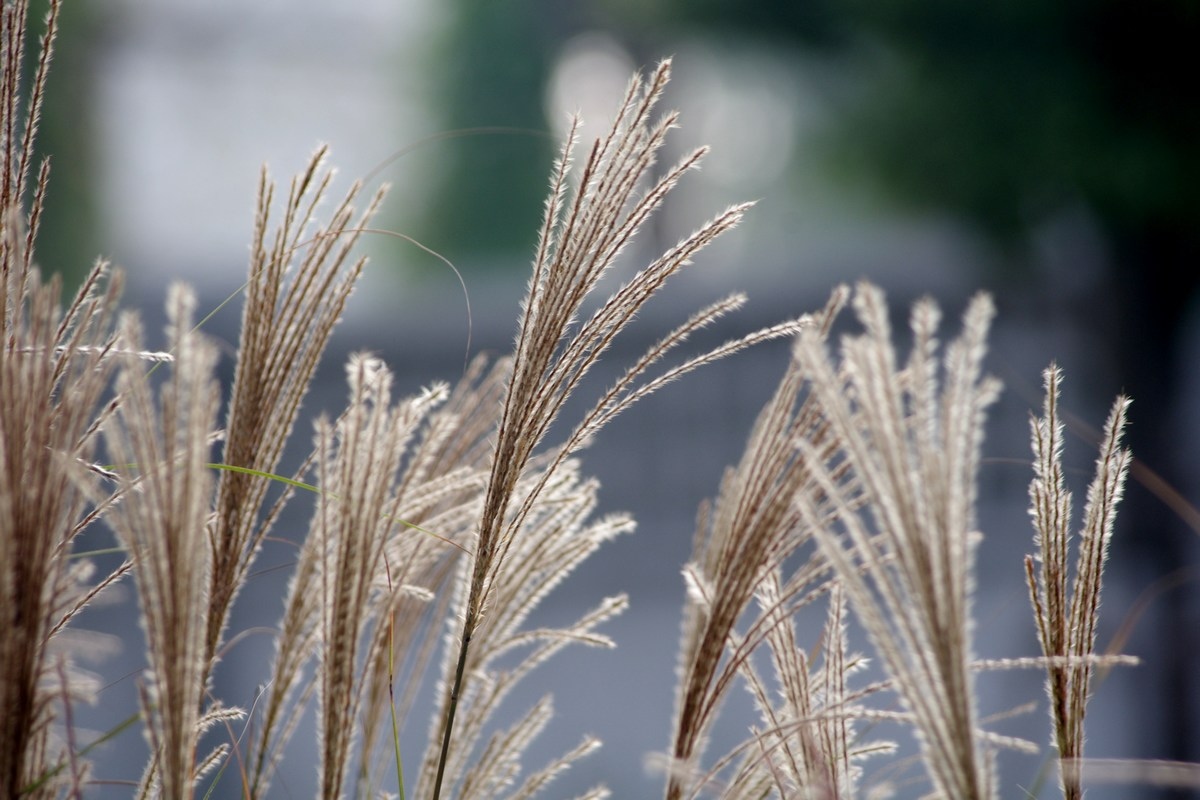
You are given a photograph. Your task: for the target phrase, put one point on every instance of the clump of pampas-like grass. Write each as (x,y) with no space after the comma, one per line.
(873,463)
(444,517)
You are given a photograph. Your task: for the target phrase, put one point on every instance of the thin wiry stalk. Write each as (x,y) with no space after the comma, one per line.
(286,324)
(580,239)
(1066,620)
(161,523)
(77,769)
(905,528)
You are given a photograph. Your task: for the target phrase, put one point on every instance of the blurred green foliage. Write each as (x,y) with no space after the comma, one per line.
(68,237)
(489,195)
(1002,113)
(1005,112)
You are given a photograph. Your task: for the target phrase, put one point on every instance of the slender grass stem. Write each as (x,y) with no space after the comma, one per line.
(452,706)
(392,685)
(112,733)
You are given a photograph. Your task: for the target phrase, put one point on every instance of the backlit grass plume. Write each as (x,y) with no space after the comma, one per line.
(740,549)
(300,276)
(893,509)
(583,233)
(161,447)
(1066,617)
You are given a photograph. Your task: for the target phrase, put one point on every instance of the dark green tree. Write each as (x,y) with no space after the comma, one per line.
(491,75)
(67,243)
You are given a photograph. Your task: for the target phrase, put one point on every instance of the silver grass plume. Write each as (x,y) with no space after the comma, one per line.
(358,459)
(161,447)
(1066,618)
(559,535)
(440,494)
(740,543)
(893,510)
(808,745)
(582,235)
(52,403)
(421,527)
(299,280)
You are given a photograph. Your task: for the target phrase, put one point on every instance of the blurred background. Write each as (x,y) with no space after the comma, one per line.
(1044,152)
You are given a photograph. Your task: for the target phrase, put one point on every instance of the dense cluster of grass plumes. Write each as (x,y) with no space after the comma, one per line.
(444,518)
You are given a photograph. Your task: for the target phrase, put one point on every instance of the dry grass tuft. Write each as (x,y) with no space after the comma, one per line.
(901,492)
(579,242)
(55,370)
(164,497)
(444,519)
(739,552)
(1066,618)
(876,462)
(295,293)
